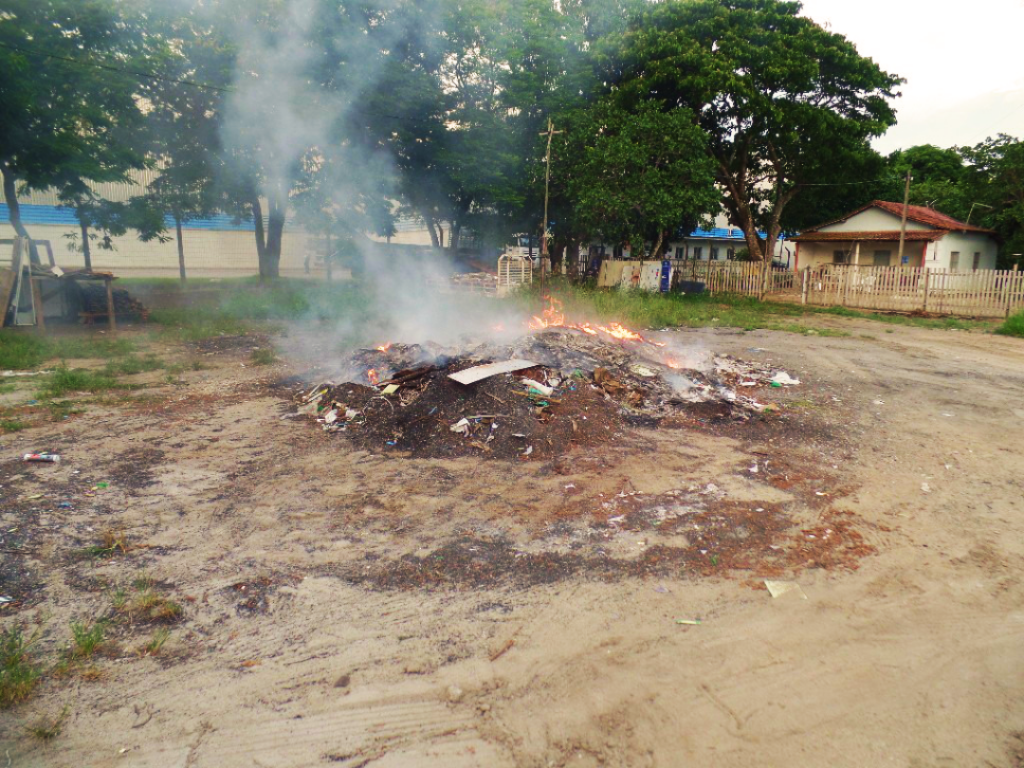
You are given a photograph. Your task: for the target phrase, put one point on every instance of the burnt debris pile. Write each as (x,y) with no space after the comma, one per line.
(538,397)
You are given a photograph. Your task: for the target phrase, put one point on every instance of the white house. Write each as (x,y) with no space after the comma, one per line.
(870,236)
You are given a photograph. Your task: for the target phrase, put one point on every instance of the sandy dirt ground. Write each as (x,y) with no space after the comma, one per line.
(352,608)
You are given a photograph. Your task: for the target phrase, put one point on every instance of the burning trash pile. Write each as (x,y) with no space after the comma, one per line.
(559,387)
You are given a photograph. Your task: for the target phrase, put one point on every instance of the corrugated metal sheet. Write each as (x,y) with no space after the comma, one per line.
(65,217)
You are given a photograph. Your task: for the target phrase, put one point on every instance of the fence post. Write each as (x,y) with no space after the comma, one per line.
(804,279)
(927,286)
(1007,295)
(844,272)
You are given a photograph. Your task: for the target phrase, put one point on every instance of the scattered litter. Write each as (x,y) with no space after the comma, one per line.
(528,451)
(4,599)
(481,372)
(780,588)
(461,427)
(925,488)
(661,590)
(879,402)
(23,373)
(783,379)
(643,370)
(689,622)
(390,389)
(542,389)
(101,486)
(42,458)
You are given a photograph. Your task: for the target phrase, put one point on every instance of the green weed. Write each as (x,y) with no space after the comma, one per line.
(133,364)
(110,544)
(7,387)
(24,351)
(263,356)
(48,728)
(86,639)
(1014,326)
(19,672)
(657,310)
(156,643)
(64,380)
(12,425)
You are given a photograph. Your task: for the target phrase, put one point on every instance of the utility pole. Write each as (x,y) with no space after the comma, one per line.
(903,225)
(550,133)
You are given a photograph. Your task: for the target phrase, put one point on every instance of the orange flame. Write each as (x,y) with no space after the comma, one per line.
(384,347)
(373,376)
(554,317)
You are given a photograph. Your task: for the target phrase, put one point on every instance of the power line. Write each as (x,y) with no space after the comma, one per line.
(110,68)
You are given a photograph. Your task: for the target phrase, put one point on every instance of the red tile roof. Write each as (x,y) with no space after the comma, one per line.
(917,213)
(912,236)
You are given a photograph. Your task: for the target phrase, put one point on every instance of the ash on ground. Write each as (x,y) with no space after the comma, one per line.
(582,390)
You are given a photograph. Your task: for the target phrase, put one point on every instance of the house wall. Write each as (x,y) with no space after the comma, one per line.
(872,220)
(208,252)
(819,254)
(967,244)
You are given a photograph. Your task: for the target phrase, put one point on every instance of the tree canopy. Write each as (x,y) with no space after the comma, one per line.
(348,115)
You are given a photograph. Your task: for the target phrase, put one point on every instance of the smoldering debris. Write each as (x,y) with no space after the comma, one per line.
(581,390)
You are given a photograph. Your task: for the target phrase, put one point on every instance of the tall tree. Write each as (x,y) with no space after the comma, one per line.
(994,177)
(69,99)
(636,176)
(784,102)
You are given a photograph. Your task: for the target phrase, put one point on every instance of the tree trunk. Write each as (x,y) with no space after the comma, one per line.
(14,211)
(181,249)
(454,233)
(431,227)
(572,256)
(656,251)
(261,238)
(275,236)
(11,198)
(86,253)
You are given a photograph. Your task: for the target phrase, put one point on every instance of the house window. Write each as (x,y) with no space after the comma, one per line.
(698,253)
(730,254)
(617,252)
(679,252)
(977,261)
(840,257)
(954,260)
(883,258)
(714,254)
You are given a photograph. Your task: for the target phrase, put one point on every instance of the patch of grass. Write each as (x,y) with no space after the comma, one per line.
(198,324)
(7,387)
(656,310)
(24,351)
(19,671)
(119,599)
(111,542)
(12,425)
(1014,326)
(246,306)
(263,356)
(62,409)
(147,604)
(86,639)
(64,380)
(132,364)
(156,643)
(21,351)
(48,728)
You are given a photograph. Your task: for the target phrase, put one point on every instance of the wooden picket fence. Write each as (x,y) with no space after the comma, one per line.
(982,293)
(744,277)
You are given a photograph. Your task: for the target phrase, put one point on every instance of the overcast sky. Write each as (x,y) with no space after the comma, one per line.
(963,62)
